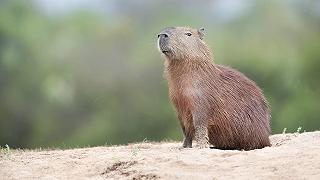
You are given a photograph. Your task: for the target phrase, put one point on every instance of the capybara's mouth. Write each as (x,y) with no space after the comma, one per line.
(165,50)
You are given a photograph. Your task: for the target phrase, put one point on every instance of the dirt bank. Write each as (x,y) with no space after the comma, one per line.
(292,156)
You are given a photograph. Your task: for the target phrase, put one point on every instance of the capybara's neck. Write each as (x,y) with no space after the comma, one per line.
(191,67)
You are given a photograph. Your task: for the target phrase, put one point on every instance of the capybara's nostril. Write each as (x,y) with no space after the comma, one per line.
(165,35)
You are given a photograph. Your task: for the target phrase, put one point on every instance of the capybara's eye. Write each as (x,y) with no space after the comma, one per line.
(188,34)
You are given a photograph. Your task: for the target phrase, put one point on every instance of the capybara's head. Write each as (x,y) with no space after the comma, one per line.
(183,43)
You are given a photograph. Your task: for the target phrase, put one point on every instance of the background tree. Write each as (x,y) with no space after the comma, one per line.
(88,73)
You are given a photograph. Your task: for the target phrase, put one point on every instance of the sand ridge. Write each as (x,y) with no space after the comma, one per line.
(292,156)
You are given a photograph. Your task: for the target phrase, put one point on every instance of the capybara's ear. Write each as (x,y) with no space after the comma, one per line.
(201,32)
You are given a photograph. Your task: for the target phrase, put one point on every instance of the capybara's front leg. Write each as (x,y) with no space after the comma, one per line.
(201,130)
(188,136)
(187,142)
(188,132)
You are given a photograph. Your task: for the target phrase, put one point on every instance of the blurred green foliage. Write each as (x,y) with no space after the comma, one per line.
(93,76)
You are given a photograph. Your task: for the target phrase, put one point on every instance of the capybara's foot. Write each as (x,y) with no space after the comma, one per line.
(187,143)
(201,136)
(202,144)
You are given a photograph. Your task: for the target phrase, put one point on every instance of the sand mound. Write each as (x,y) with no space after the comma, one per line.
(292,156)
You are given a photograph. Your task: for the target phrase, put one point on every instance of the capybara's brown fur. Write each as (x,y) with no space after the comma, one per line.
(215,104)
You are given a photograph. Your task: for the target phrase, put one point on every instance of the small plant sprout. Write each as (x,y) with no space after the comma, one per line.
(7,148)
(145,140)
(299,129)
(284,130)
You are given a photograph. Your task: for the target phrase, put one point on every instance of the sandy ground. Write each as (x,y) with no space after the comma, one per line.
(292,156)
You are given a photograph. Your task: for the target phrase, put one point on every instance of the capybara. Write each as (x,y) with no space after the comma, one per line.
(215,104)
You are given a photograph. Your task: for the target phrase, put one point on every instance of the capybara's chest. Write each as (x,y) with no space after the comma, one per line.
(182,95)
